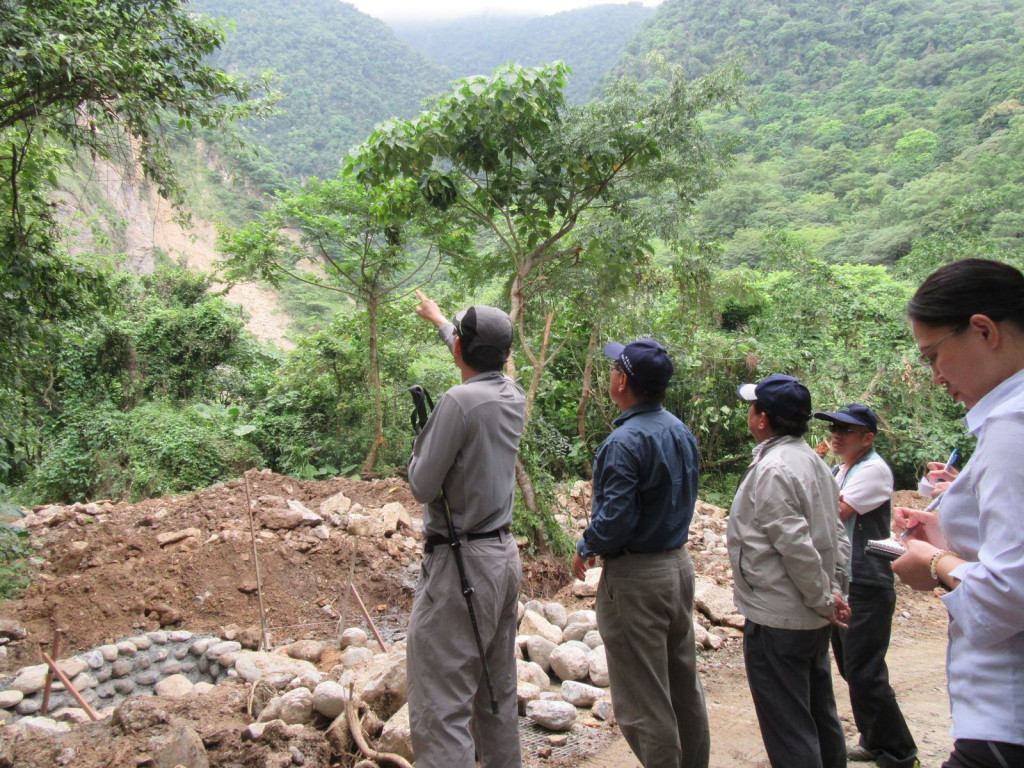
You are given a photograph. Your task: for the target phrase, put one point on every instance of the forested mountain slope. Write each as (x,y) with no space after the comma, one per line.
(589,40)
(881,127)
(340,71)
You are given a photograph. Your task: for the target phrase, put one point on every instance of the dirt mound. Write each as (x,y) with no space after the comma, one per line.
(111,570)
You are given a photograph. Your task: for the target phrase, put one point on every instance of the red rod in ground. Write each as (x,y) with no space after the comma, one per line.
(366,615)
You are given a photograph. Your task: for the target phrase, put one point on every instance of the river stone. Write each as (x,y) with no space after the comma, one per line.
(587,587)
(397,734)
(217,650)
(553,715)
(297,706)
(525,693)
(28,706)
(181,746)
(10,698)
(174,687)
(109,652)
(45,726)
(329,699)
(84,681)
(700,635)
(539,650)
(169,668)
(577,630)
(148,677)
(355,656)
(93,658)
(597,664)
(713,601)
(307,650)
(531,672)
(255,665)
(202,645)
(179,636)
(534,623)
(127,648)
(71,715)
(353,636)
(555,613)
(535,605)
(569,663)
(141,642)
(580,694)
(583,616)
(602,710)
(30,679)
(593,638)
(386,690)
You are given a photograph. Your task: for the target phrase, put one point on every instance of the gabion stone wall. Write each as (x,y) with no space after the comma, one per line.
(107,675)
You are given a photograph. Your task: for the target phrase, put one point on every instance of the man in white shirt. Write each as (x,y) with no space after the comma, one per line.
(865,497)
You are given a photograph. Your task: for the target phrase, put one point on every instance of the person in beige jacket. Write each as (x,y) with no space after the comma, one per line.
(789,556)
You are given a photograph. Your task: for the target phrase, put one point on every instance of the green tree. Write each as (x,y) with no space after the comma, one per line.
(552,186)
(119,79)
(369,244)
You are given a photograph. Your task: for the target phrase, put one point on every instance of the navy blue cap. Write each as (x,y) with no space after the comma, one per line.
(644,362)
(780,395)
(854,413)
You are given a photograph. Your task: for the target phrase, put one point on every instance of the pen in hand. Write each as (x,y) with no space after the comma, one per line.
(934,502)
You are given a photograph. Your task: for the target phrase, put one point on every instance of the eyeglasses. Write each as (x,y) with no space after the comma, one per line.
(929,353)
(846,429)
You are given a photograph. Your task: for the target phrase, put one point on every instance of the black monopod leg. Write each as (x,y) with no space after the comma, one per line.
(421,401)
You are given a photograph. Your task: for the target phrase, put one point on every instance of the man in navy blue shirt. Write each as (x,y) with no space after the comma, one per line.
(645,488)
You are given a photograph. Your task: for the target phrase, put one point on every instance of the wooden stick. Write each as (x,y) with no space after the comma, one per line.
(71,689)
(351,581)
(366,615)
(264,644)
(356,729)
(49,672)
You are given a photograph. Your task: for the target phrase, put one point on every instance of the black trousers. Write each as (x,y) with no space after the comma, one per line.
(790,679)
(972,753)
(860,655)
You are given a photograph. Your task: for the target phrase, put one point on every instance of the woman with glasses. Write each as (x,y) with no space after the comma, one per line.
(968,321)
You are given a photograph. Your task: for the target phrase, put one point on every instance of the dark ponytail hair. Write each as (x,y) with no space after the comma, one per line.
(953,293)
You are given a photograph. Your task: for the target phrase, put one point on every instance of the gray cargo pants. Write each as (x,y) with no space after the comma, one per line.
(449,706)
(645,616)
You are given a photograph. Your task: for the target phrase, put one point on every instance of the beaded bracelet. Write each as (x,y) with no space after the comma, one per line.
(935,561)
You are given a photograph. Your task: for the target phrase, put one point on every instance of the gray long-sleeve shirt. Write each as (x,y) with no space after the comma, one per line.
(469,445)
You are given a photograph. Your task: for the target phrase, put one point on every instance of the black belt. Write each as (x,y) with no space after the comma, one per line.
(441,541)
(623,552)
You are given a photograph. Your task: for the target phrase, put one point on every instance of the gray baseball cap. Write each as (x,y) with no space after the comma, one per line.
(483,326)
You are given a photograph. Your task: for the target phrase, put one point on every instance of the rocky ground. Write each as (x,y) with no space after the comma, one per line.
(109,571)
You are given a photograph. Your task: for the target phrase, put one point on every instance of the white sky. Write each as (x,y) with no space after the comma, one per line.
(401,10)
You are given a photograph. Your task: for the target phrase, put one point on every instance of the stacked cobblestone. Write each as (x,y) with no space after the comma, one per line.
(107,675)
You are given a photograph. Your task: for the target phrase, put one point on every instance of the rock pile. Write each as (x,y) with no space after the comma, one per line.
(715,619)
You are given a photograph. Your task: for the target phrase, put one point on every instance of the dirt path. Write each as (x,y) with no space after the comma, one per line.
(916,665)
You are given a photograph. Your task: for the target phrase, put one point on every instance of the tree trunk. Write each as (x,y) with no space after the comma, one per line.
(588,375)
(539,362)
(372,305)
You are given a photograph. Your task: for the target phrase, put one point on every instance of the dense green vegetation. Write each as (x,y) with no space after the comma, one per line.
(340,72)
(879,125)
(589,40)
(780,229)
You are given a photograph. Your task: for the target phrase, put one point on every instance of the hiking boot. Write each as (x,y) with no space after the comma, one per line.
(855,753)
